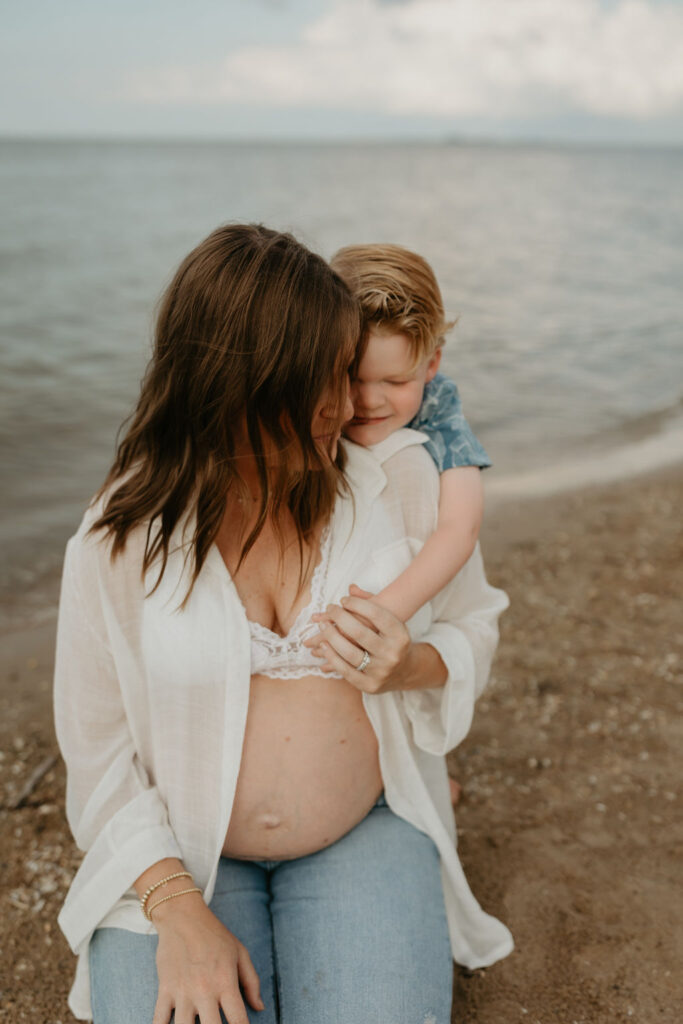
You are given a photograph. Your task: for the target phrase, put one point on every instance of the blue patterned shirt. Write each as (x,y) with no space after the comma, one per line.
(451,441)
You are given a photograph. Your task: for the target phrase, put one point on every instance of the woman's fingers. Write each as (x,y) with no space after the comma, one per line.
(210,1012)
(163,1009)
(249,979)
(383,621)
(353,629)
(346,669)
(185,1012)
(208,1009)
(334,642)
(233,1008)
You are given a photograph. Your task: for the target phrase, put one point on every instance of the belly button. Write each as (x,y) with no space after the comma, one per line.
(270,820)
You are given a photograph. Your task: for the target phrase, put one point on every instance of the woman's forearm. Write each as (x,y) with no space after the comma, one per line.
(154,874)
(424,669)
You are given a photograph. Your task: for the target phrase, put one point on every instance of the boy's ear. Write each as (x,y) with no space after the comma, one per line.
(433,365)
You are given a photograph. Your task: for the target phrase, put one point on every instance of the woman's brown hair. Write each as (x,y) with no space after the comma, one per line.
(254,329)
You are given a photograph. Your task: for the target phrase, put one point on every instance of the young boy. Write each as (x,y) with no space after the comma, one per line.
(395,383)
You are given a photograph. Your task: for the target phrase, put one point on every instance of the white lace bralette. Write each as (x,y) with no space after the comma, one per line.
(285,657)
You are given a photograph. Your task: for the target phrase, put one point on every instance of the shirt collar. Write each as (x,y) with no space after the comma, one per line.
(396,442)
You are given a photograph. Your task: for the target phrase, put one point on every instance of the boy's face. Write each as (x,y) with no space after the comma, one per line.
(387,390)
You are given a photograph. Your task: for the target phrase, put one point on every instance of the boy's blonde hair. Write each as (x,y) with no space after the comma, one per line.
(397,291)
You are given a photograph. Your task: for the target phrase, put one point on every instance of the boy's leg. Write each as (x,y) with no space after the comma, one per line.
(360,929)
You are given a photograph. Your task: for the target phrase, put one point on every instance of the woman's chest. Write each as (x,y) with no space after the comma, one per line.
(273,581)
(204,641)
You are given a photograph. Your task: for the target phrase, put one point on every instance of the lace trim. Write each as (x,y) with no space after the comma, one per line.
(298,673)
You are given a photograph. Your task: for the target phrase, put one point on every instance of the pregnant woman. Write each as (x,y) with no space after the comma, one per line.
(265,839)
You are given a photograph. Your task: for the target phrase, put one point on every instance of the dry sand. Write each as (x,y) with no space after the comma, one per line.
(570,824)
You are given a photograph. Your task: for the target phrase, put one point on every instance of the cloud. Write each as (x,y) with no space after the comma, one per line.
(449,58)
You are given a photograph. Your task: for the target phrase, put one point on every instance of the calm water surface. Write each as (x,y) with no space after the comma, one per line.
(563,267)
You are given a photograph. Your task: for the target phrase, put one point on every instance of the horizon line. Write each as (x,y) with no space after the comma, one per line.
(347,140)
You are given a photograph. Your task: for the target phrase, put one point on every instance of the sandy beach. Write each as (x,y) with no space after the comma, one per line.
(570,823)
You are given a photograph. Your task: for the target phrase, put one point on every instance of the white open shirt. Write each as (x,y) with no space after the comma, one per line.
(151,702)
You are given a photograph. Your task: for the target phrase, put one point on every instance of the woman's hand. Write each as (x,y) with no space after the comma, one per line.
(359,625)
(200,966)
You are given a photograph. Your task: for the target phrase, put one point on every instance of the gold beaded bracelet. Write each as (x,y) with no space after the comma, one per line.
(171,897)
(146,895)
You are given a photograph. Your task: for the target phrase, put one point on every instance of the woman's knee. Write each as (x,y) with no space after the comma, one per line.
(123,976)
(361,932)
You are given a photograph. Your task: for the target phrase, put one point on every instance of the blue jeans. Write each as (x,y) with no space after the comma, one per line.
(352,934)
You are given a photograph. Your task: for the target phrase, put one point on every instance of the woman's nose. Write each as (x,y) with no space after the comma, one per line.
(330,410)
(348,406)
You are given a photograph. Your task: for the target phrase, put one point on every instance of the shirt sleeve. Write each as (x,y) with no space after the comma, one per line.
(464,628)
(116,815)
(452,442)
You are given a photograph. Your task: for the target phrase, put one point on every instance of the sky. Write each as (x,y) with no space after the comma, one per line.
(557,70)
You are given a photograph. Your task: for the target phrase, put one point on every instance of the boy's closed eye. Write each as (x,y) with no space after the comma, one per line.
(395,383)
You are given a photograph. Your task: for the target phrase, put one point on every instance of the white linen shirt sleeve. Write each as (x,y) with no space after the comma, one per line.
(116,815)
(464,627)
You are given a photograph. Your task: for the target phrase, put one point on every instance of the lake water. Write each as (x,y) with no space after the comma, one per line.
(563,265)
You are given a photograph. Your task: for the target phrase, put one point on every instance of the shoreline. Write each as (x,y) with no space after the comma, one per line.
(633,451)
(510,520)
(570,818)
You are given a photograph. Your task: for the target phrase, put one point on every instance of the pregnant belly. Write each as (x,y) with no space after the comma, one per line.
(309,771)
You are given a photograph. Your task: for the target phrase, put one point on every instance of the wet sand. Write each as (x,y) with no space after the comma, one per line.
(570,823)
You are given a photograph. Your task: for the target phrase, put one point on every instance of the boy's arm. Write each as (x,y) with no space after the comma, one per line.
(461,506)
(465,615)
